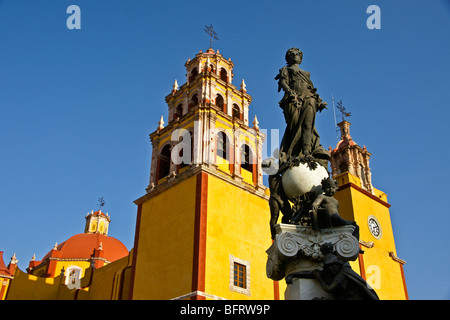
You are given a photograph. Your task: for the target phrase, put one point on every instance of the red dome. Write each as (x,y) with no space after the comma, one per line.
(81,246)
(3,269)
(344,143)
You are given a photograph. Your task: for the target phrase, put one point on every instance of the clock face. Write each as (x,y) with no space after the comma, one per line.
(374,227)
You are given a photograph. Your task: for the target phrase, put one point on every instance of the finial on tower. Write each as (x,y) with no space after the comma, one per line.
(175,86)
(161,123)
(14,259)
(255,123)
(243,86)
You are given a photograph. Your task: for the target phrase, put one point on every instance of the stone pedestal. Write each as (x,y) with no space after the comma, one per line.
(306,289)
(296,253)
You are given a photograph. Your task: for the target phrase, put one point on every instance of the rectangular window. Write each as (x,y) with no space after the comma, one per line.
(239,275)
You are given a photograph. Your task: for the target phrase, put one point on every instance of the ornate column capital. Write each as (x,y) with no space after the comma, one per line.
(298,248)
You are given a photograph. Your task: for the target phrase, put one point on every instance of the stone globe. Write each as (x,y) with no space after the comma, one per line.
(301,179)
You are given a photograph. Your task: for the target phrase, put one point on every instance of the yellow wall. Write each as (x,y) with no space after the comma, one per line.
(237,224)
(109,282)
(106,283)
(382,272)
(166,241)
(28,287)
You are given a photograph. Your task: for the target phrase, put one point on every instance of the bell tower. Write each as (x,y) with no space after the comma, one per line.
(348,156)
(207,126)
(360,202)
(202,226)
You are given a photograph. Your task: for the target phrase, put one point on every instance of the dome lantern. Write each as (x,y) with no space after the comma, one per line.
(97,222)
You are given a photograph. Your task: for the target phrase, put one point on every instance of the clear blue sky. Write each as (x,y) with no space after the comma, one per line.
(77,106)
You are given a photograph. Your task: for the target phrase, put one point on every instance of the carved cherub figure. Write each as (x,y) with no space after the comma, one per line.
(325,209)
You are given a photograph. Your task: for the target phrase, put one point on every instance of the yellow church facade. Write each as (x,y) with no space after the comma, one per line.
(202,227)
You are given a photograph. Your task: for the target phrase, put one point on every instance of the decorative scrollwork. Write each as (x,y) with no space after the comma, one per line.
(287,245)
(347,247)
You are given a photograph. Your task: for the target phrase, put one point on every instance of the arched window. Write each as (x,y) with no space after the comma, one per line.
(193,102)
(248,163)
(222,145)
(194,73)
(101,227)
(224,74)
(164,162)
(237,112)
(224,154)
(73,273)
(343,167)
(93,226)
(220,103)
(178,111)
(191,146)
(194,99)
(246,158)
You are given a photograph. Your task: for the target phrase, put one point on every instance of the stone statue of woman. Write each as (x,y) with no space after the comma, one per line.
(300,104)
